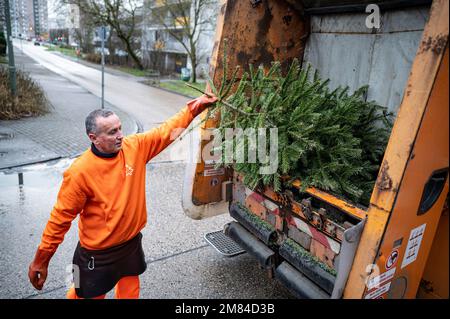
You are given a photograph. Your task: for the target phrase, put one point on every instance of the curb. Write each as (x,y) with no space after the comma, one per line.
(9,168)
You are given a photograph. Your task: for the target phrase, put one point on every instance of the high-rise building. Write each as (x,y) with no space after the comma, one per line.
(40,16)
(20,17)
(29,18)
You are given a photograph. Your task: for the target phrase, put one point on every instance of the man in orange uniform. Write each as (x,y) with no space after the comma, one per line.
(106,187)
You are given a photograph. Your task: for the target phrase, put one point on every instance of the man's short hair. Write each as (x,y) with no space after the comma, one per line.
(91,119)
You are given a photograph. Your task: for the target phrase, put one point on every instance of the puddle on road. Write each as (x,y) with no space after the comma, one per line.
(6,136)
(24,189)
(43,175)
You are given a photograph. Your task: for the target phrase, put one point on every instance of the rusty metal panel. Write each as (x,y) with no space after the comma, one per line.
(409,233)
(400,181)
(344,50)
(300,237)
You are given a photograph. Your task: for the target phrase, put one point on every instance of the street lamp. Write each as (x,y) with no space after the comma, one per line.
(12,66)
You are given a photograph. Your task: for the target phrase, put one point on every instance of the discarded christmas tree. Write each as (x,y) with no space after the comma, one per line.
(332,140)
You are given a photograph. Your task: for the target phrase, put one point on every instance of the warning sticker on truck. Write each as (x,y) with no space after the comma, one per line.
(378,280)
(377,293)
(214,172)
(414,241)
(392,259)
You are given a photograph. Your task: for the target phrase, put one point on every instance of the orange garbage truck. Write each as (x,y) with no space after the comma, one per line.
(318,244)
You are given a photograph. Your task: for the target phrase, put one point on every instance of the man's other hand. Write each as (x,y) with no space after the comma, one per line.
(37,272)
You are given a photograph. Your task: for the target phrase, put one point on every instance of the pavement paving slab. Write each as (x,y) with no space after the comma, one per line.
(17,149)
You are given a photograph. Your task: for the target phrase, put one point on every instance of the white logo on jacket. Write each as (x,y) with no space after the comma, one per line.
(128,170)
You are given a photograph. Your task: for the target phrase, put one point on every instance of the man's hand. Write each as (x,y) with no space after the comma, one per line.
(37,271)
(199,104)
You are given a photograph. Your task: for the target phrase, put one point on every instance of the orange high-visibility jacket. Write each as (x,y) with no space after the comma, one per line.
(109,193)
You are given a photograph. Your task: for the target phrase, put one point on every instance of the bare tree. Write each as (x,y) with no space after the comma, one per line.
(2,25)
(84,33)
(2,15)
(120,15)
(185,21)
(154,53)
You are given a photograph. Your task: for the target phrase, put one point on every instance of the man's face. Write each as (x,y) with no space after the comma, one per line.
(108,138)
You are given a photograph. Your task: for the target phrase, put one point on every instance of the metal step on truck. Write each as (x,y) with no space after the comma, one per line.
(317,244)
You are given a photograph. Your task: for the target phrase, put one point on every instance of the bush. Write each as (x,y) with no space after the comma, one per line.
(93,57)
(65,46)
(30,99)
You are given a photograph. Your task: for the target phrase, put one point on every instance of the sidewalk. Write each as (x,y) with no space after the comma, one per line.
(59,134)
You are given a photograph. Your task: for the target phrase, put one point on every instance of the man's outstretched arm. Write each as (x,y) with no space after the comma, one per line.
(156,140)
(70,202)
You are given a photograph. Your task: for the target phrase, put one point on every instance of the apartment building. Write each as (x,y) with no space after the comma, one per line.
(29,18)
(40,16)
(160,48)
(22,22)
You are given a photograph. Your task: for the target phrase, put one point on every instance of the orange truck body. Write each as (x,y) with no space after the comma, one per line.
(402,249)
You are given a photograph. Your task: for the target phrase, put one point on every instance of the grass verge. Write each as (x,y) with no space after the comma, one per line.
(132,71)
(179,86)
(69,52)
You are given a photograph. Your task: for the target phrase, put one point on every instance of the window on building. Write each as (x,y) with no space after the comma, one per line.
(158,35)
(175,35)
